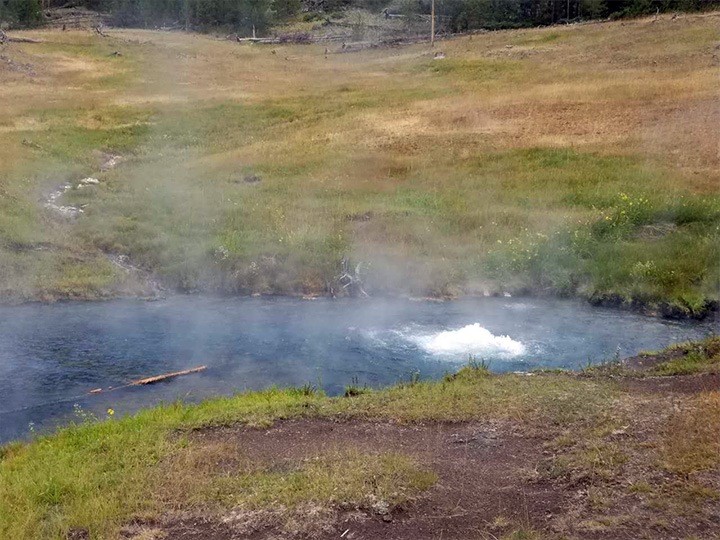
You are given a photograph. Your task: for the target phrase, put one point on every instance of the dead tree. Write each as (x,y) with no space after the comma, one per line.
(4,38)
(350,279)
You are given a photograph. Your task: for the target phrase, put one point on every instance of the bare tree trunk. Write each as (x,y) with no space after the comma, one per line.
(432,24)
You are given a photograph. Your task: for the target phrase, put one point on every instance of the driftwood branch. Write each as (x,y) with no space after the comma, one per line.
(166,376)
(151,380)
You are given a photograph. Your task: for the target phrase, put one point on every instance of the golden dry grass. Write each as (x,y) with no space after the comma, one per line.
(692,438)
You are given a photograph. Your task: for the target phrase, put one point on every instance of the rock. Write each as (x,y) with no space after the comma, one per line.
(381,507)
(89,180)
(70,212)
(222,253)
(51,203)
(110,161)
(252,179)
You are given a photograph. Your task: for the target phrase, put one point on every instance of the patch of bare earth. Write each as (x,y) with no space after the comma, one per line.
(604,479)
(687,384)
(481,470)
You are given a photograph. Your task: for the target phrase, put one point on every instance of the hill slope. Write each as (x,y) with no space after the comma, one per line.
(567,160)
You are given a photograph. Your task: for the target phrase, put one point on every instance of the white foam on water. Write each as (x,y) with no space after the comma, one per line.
(472,339)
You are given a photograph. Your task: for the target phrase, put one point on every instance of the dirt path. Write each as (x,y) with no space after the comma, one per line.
(688,384)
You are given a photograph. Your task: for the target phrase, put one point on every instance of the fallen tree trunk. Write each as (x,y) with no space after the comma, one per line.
(4,38)
(166,376)
(149,380)
(270,41)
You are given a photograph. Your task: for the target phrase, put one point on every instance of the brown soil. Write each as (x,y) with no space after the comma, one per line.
(688,384)
(606,476)
(492,478)
(482,470)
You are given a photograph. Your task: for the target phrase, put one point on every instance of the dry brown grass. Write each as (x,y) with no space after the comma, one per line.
(581,88)
(691,442)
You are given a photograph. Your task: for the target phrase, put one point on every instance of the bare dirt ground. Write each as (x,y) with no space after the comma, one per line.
(688,384)
(479,467)
(495,479)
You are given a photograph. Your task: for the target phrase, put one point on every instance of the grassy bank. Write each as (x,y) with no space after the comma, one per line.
(571,160)
(95,478)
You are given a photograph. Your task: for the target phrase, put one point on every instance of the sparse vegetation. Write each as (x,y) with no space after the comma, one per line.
(99,475)
(96,475)
(681,359)
(690,358)
(354,480)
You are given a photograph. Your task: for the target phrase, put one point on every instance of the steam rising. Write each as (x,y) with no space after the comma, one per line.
(471,339)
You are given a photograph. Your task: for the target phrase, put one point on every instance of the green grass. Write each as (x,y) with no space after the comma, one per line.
(689,358)
(97,476)
(475,70)
(644,248)
(537,38)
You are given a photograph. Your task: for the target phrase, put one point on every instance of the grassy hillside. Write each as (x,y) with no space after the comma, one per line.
(573,160)
(588,456)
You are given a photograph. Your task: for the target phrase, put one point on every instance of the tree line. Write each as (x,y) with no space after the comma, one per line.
(247,15)
(241,15)
(461,15)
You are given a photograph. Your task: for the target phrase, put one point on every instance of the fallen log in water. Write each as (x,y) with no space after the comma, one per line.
(150,380)
(166,376)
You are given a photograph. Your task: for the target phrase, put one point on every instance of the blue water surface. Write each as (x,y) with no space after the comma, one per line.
(51,356)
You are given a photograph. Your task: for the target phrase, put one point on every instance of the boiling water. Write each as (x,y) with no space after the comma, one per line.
(51,356)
